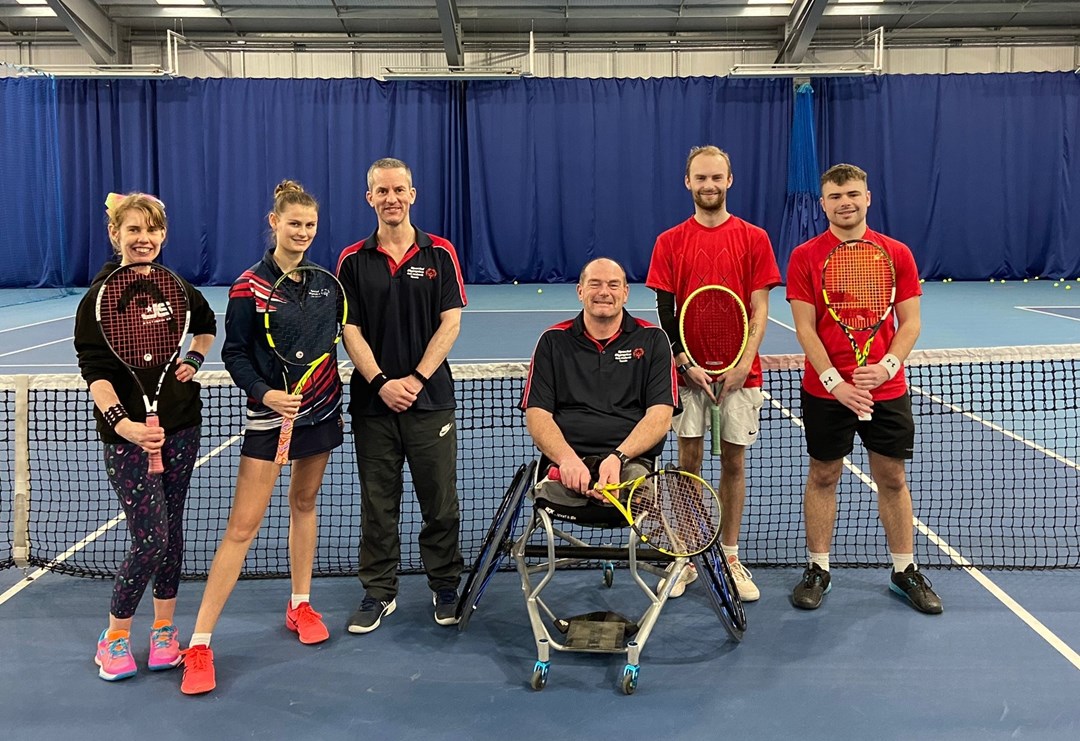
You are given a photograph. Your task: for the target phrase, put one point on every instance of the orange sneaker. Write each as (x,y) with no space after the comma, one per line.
(305,622)
(198,670)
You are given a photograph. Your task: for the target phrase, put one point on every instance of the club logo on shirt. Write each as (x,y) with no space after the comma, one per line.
(639,353)
(625,356)
(417,272)
(318,293)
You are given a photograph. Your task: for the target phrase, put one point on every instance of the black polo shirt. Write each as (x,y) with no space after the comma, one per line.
(597,391)
(398,308)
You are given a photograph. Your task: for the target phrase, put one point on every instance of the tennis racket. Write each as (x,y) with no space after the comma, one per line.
(858,281)
(305,314)
(675,512)
(714,329)
(143,314)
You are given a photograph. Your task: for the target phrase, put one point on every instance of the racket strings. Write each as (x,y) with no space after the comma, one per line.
(305,316)
(858,283)
(143,316)
(714,326)
(675,513)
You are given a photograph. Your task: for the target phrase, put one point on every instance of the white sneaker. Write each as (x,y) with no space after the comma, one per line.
(744,580)
(687,577)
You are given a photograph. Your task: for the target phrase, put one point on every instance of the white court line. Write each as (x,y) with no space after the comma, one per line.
(1050,313)
(31,578)
(982,579)
(37,324)
(35,347)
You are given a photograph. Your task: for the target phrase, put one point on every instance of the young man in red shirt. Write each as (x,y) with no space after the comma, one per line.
(714,247)
(835,393)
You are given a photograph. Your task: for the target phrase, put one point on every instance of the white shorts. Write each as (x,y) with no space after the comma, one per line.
(740,415)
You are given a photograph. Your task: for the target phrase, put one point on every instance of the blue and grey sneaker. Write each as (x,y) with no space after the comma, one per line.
(445,601)
(911,583)
(809,592)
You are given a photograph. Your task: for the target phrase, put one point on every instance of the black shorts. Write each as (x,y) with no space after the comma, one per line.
(830,428)
(307,440)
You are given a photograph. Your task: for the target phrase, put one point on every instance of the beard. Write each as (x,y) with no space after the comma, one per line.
(716,203)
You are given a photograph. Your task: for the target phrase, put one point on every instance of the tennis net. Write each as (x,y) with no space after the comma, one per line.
(995,479)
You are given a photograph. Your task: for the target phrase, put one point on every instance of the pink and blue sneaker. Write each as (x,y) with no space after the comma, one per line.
(164,648)
(114,656)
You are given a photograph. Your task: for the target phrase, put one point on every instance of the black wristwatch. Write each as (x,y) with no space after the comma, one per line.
(623,457)
(684,367)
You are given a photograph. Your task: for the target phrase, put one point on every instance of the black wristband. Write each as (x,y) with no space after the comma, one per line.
(684,367)
(420,377)
(623,457)
(194,359)
(114,415)
(378,382)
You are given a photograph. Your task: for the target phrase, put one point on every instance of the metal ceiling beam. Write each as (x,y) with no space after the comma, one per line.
(92,28)
(801,26)
(450,25)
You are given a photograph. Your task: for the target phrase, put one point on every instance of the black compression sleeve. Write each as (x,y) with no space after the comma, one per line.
(665,310)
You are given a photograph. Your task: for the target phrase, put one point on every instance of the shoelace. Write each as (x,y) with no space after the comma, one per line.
(196,658)
(812,578)
(306,615)
(740,572)
(162,637)
(917,580)
(119,648)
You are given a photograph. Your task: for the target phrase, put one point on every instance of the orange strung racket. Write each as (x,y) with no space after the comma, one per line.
(304,317)
(859,285)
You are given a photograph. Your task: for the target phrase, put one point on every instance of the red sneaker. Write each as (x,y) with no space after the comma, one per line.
(306,622)
(198,670)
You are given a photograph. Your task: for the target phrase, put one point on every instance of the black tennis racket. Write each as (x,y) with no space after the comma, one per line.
(304,317)
(143,313)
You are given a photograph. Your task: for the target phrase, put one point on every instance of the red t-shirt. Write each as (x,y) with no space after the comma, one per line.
(736,254)
(804,284)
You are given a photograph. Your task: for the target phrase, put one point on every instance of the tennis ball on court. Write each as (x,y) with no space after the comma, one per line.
(539,290)
(1056,284)
(1068,288)
(1025,280)
(993,281)
(922,280)
(515,282)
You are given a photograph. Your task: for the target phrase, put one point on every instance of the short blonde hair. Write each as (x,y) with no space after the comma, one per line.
(117,208)
(708,149)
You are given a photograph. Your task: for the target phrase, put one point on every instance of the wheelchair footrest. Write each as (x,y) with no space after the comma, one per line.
(598,631)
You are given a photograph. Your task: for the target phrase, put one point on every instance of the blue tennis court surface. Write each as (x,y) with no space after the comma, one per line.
(1001,661)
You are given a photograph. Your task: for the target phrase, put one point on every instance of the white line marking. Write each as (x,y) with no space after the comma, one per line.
(36,324)
(31,578)
(1051,313)
(774,320)
(35,347)
(982,579)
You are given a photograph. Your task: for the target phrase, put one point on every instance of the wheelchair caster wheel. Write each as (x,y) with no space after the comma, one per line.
(539,675)
(629,679)
(609,574)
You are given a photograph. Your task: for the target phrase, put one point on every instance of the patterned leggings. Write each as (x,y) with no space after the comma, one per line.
(154,506)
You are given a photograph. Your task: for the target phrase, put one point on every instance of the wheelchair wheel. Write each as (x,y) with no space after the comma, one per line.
(539,675)
(609,574)
(720,587)
(496,545)
(629,679)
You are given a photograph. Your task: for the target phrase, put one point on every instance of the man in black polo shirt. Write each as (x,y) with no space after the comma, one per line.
(405,294)
(602,384)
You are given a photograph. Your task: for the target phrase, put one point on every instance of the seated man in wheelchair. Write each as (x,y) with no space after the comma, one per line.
(599,399)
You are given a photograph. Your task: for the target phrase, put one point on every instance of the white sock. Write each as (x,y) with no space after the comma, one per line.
(730,552)
(299,599)
(901,561)
(199,639)
(821,559)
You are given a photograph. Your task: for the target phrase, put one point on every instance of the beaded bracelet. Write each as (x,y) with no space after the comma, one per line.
(194,359)
(114,414)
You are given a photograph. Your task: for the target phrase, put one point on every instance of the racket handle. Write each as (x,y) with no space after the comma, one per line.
(865,417)
(156,466)
(284,441)
(553,474)
(714,424)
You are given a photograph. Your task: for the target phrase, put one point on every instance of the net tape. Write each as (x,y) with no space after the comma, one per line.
(995,474)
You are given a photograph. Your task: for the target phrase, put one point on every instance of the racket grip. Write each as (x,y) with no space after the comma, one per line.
(553,474)
(865,417)
(156,466)
(284,441)
(714,425)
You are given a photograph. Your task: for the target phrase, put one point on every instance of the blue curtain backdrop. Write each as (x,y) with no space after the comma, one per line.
(803,217)
(530,178)
(567,170)
(978,174)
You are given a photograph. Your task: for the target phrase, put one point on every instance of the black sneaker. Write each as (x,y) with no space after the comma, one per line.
(369,614)
(911,583)
(809,592)
(445,601)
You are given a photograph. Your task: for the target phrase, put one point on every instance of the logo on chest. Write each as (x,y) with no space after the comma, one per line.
(625,356)
(417,272)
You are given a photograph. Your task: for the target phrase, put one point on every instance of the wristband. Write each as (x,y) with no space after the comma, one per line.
(194,359)
(378,382)
(830,379)
(891,363)
(623,457)
(420,377)
(114,415)
(682,369)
